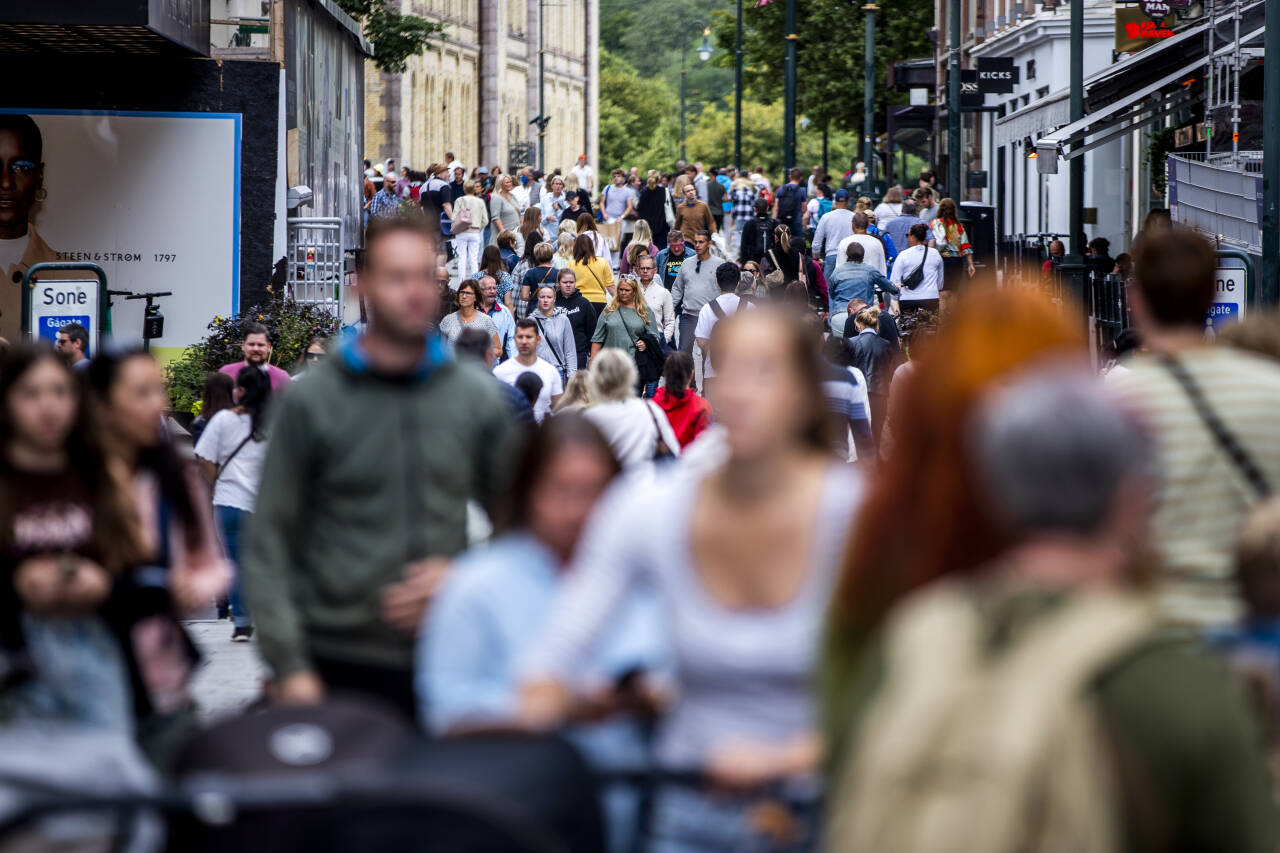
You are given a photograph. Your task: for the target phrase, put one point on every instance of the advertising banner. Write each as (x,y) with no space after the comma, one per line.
(152,198)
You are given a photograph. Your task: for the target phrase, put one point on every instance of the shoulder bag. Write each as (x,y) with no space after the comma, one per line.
(915,278)
(649,360)
(560,363)
(1226,440)
(222,466)
(776,278)
(661,452)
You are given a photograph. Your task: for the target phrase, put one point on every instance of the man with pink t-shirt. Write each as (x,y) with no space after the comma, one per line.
(257,352)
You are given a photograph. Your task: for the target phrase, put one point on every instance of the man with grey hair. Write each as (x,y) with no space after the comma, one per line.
(898,227)
(1038,692)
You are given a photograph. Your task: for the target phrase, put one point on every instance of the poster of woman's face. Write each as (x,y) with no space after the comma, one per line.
(152,198)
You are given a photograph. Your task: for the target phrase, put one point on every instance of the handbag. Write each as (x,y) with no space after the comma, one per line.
(775,278)
(915,278)
(560,363)
(223,466)
(668,211)
(649,360)
(661,452)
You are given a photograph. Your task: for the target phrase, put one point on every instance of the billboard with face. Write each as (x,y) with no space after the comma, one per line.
(152,198)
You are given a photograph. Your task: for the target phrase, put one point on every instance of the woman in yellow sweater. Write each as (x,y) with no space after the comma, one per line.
(595,278)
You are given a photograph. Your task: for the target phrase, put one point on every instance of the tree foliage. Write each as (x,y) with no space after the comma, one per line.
(711,139)
(830,55)
(649,35)
(637,122)
(395,36)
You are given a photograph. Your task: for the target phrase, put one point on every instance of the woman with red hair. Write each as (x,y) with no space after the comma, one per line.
(921,519)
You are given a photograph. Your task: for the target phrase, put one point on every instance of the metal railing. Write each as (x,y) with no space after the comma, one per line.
(1249,162)
(1217,194)
(316,268)
(1109,308)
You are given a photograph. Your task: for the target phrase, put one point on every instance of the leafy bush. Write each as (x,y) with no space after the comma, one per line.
(291,324)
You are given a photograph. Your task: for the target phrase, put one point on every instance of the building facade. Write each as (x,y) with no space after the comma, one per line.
(476,91)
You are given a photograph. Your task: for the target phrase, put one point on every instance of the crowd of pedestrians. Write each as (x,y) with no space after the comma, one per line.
(846,583)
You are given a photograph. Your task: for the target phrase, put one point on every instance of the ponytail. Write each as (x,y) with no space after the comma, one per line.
(782,234)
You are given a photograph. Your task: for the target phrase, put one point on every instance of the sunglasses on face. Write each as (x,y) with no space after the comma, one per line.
(315,356)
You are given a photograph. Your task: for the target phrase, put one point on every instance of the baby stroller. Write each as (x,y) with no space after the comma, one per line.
(347,776)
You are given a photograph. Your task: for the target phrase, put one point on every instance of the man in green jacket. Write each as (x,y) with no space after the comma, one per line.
(365,486)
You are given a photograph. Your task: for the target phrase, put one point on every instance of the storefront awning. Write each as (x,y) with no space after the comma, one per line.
(1119,100)
(105,26)
(1034,119)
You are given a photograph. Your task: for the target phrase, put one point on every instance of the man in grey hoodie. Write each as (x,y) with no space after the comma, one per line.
(695,286)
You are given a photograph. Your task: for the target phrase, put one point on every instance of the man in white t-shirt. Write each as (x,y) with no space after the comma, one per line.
(584,174)
(527,361)
(872,248)
(925,293)
(734,293)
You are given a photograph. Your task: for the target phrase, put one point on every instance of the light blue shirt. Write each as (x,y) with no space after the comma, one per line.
(493,606)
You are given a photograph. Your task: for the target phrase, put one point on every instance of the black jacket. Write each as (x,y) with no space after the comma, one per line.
(874,357)
(652,209)
(757,239)
(582,319)
(888,329)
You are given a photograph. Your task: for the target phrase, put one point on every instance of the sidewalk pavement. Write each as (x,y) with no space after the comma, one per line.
(230,677)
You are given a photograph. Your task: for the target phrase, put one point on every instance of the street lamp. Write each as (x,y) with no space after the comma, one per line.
(868,94)
(737,94)
(704,53)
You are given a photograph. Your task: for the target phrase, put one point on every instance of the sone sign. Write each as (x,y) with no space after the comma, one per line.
(55,303)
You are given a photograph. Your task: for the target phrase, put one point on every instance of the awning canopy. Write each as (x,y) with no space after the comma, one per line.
(1143,88)
(1034,119)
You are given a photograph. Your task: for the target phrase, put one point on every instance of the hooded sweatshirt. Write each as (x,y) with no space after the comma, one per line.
(582,321)
(558,346)
(689,414)
(353,492)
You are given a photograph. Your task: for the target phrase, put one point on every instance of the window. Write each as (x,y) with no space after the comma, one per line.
(1031,69)
(1042,92)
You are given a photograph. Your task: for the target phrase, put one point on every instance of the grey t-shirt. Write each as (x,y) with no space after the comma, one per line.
(615,200)
(695,284)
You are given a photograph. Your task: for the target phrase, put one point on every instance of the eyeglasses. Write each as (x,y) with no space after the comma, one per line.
(315,356)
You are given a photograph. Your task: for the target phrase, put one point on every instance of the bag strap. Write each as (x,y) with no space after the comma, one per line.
(597,278)
(1227,441)
(659,443)
(222,467)
(622,318)
(550,343)
(716,309)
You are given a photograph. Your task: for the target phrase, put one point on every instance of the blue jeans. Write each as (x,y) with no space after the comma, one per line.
(650,389)
(688,323)
(231,522)
(829,266)
(693,821)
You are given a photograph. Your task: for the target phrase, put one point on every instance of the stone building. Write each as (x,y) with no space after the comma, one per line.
(475,93)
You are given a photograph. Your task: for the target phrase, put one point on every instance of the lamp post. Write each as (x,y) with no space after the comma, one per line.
(737,94)
(1073,268)
(704,53)
(789,109)
(1267,291)
(953,97)
(868,95)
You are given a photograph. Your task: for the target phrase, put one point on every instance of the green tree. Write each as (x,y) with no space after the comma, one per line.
(649,36)
(711,139)
(636,118)
(395,36)
(830,56)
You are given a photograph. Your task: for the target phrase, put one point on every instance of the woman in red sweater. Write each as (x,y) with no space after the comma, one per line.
(688,413)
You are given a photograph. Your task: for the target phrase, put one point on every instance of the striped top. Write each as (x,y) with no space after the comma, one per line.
(1203,496)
